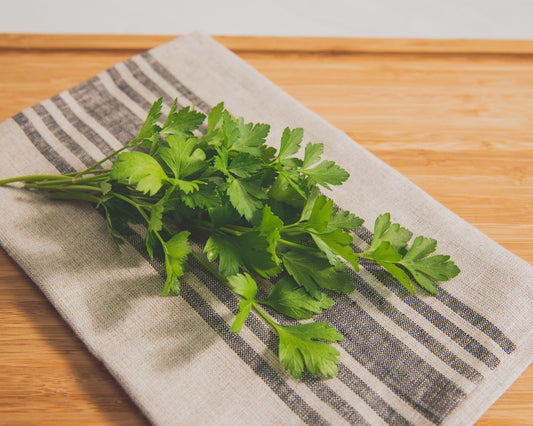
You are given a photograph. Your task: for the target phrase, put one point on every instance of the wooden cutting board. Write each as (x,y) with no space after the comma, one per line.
(456,117)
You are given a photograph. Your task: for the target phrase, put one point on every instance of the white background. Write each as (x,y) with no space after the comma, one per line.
(506,19)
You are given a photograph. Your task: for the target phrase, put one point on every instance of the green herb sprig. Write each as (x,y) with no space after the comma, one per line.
(261,215)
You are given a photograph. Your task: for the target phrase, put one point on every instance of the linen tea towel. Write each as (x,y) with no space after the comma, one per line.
(405,359)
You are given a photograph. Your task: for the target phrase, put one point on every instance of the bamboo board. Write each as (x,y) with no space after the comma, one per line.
(454,116)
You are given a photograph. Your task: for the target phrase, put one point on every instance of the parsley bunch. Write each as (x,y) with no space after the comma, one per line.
(260,216)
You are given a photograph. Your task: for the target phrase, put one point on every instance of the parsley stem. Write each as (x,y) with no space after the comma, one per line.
(57,179)
(97,171)
(210,268)
(265,316)
(103,160)
(299,246)
(65,187)
(32,178)
(81,196)
(133,203)
(97,178)
(296,225)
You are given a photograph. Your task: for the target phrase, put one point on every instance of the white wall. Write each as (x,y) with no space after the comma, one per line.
(508,19)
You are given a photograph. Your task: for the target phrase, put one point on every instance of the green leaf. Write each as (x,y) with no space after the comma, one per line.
(205,197)
(384,230)
(303,345)
(327,173)
(269,228)
(242,137)
(290,142)
(245,307)
(227,250)
(187,186)
(172,280)
(314,271)
(248,250)
(343,219)
(243,197)
(170,115)
(155,224)
(178,246)
(420,248)
(251,138)
(139,169)
(230,129)
(183,123)
(223,214)
(292,163)
(286,189)
(177,250)
(398,273)
(243,284)
(290,299)
(320,215)
(220,161)
(337,243)
(312,154)
(427,270)
(245,165)
(214,118)
(150,124)
(151,243)
(182,156)
(385,252)
(105,187)
(309,203)
(255,255)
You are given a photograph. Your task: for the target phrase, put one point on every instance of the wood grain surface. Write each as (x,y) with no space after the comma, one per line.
(454,116)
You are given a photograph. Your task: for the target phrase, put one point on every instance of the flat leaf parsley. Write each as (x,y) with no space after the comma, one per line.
(261,215)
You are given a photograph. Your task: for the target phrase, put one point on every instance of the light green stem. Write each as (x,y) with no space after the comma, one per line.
(265,316)
(296,245)
(33,178)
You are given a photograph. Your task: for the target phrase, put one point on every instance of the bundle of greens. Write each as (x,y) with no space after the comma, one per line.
(260,216)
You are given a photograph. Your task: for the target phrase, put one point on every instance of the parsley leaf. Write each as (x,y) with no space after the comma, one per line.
(150,127)
(327,173)
(245,165)
(242,137)
(183,123)
(270,229)
(182,156)
(290,299)
(384,230)
(255,255)
(336,244)
(314,271)
(304,344)
(246,197)
(244,285)
(427,270)
(176,251)
(312,154)
(226,249)
(214,118)
(139,169)
(290,142)
(389,249)
(320,215)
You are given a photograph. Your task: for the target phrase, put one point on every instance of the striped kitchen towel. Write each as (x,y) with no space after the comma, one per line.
(405,359)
